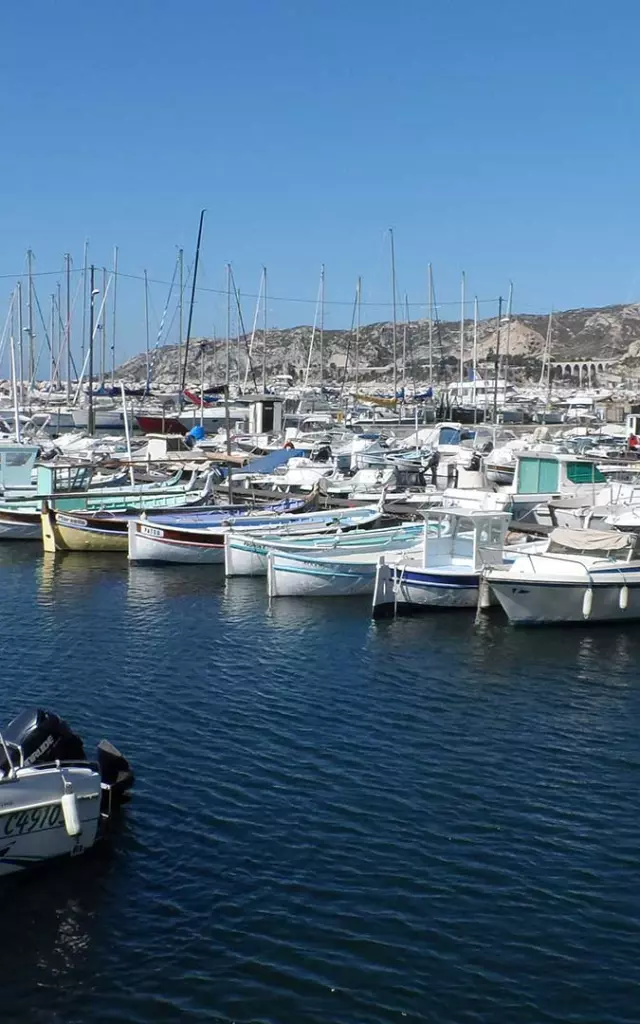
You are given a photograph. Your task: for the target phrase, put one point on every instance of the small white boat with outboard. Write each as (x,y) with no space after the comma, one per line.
(582,576)
(53,800)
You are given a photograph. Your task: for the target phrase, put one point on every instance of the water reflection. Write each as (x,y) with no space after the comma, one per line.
(19,552)
(74,572)
(52,914)
(159,583)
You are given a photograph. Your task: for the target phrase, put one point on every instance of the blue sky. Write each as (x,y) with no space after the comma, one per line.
(499,138)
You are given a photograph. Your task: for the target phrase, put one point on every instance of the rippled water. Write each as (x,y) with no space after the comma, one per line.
(334,819)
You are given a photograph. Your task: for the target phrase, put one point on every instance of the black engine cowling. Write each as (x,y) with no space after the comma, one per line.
(43,737)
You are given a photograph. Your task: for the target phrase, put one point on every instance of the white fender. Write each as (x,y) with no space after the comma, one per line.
(587,603)
(624,597)
(70,814)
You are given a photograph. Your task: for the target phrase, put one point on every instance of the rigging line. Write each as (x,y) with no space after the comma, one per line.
(163,317)
(249,295)
(288,298)
(244,333)
(350,336)
(22,276)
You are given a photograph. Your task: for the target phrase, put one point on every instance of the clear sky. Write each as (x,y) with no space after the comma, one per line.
(499,138)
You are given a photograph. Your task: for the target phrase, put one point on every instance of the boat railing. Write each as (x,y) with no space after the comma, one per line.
(11,773)
(572,560)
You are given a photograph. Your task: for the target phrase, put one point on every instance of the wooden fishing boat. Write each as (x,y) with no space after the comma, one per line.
(107,531)
(18,524)
(170,541)
(246,552)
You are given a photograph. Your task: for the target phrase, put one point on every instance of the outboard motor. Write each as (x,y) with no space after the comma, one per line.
(321,454)
(43,738)
(116,775)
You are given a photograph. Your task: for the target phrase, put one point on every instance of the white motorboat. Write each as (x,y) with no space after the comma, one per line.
(545,475)
(53,800)
(445,571)
(615,506)
(583,576)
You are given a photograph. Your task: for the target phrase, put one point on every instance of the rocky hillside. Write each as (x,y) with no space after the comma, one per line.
(611,332)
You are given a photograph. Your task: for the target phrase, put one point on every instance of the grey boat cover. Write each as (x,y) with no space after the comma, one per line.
(591,542)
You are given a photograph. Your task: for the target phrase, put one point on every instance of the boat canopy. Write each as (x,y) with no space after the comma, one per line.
(590,542)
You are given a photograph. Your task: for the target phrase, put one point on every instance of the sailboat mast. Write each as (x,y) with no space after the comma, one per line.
(146,325)
(14,375)
(180,309)
(404,343)
(238,329)
(462,301)
(84,298)
(546,350)
(103,328)
(497,364)
(20,341)
(430,326)
(192,300)
(90,417)
(113,315)
(228,353)
(506,346)
(264,330)
(394,327)
(67,263)
(30,316)
(475,358)
(358,319)
(52,347)
(321,331)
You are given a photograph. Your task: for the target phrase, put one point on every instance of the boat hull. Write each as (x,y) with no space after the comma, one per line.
(148,543)
(401,587)
(547,602)
(62,532)
(289,577)
(247,556)
(32,826)
(160,425)
(20,526)
(501,475)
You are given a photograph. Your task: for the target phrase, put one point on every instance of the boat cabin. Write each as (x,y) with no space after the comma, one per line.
(265,415)
(541,477)
(17,463)
(462,535)
(555,473)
